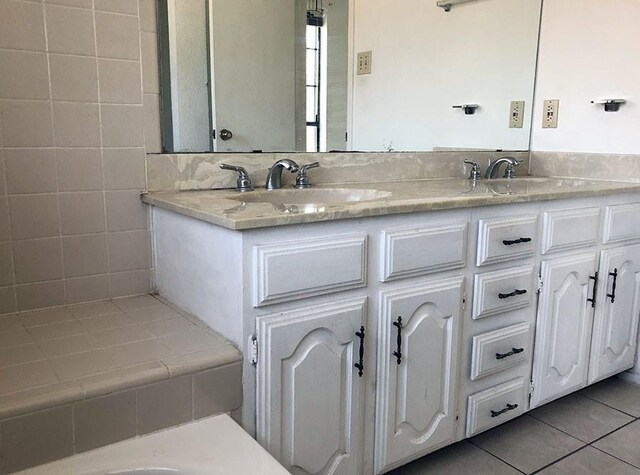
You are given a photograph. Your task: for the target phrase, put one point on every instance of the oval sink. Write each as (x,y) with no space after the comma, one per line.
(312,195)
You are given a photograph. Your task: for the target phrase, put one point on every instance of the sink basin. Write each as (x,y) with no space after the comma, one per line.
(311,195)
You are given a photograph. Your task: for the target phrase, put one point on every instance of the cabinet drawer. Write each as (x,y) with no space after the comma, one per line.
(570,229)
(622,223)
(295,270)
(502,291)
(501,240)
(500,349)
(413,252)
(496,405)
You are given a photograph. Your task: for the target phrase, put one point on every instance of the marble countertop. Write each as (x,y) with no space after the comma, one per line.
(240,211)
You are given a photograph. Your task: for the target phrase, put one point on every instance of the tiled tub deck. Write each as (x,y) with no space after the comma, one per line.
(80,377)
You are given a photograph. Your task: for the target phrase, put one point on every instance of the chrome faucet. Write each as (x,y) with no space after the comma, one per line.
(274,177)
(494,167)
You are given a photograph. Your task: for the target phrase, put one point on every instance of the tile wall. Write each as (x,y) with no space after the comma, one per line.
(79,108)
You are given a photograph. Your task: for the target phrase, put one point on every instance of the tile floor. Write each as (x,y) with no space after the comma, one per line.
(593,431)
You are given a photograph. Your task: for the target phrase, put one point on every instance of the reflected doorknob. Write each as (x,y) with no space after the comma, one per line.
(225,134)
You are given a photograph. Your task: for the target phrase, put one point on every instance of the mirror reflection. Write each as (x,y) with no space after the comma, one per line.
(355,75)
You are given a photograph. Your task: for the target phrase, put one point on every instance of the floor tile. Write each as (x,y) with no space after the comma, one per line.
(527,443)
(623,444)
(10,322)
(67,346)
(581,417)
(153,314)
(119,336)
(56,330)
(82,364)
(590,461)
(43,317)
(460,458)
(94,309)
(106,322)
(14,338)
(20,355)
(137,303)
(167,327)
(615,393)
(26,376)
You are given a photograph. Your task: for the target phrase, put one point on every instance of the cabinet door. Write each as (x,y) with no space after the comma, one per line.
(563,328)
(615,324)
(309,400)
(415,409)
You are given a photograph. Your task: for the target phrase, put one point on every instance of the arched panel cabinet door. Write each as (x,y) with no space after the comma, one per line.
(615,326)
(563,327)
(309,391)
(418,351)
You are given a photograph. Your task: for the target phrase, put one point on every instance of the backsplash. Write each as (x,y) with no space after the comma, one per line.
(79,109)
(603,166)
(202,171)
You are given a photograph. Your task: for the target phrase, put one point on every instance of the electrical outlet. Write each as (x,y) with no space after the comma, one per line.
(364,62)
(516,115)
(550,114)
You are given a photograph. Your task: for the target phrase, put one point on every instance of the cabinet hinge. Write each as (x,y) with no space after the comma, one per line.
(539,289)
(531,388)
(464,301)
(253,350)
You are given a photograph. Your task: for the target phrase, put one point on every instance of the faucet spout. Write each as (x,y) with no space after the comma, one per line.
(274,177)
(494,167)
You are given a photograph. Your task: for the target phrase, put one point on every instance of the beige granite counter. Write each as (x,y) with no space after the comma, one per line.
(240,211)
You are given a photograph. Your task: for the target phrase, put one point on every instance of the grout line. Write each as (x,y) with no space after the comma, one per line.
(560,459)
(617,458)
(470,440)
(610,406)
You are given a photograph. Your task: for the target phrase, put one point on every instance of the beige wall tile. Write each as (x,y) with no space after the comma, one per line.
(117,36)
(82,212)
(20,355)
(106,322)
(72,3)
(54,331)
(3,188)
(21,26)
(122,126)
(125,211)
(6,264)
(36,438)
(82,364)
(120,81)
(118,6)
(40,295)
(123,284)
(26,124)
(79,169)
(124,168)
(70,30)
(128,251)
(152,133)
(73,78)
(25,376)
(85,255)
(86,289)
(148,20)
(31,170)
(218,390)
(37,260)
(76,125)
(151,81)
(24,75)
(7,300)
(34,216)
(105,420)
(164,404)
(5,227)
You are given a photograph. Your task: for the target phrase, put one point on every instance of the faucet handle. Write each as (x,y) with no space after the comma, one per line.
(474,174)
(302,180)
(510,171)
(244,182)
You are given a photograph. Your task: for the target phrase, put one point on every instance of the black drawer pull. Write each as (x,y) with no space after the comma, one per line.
(510,407)
(595,289)
(398,352)
(512,294)
(514,351)
(360,365)
(613,274)
(521,240)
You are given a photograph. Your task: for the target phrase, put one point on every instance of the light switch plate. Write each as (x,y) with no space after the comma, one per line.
(550,114)
(516,115)
(364,62)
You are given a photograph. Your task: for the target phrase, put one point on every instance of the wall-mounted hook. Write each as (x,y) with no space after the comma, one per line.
(610,105)
(447,4)
(469,109)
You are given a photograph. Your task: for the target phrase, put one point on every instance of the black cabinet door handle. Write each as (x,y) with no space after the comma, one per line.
(613,274)
(592,300)
(512,294)
(511,242)
(398,352)
(360,365)
(510,407)
(514,351)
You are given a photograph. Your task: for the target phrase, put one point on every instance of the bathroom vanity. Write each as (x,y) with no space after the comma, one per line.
(376,330)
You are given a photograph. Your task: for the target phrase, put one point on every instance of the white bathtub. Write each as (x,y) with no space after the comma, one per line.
(216,445)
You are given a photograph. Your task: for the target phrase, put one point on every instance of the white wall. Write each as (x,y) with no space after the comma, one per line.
(589,49)
(426,60)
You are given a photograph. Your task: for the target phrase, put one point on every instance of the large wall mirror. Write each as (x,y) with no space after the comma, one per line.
(282,75)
